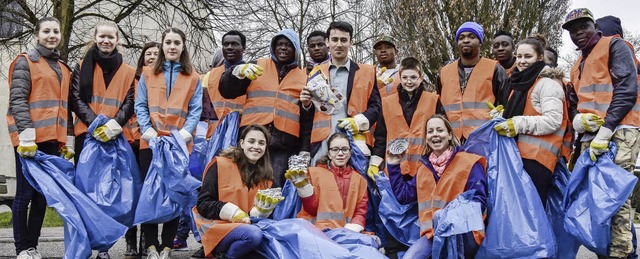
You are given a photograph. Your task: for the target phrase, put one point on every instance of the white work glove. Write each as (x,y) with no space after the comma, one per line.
(496,111)
(600,144)
(27,146)
(587,122)
(232,213)
(300,181)
(383,79)
(249,70)
(355,124)
(264,205)
(149,134)
(354,227)
(186,136)
(108,131)
(67,152)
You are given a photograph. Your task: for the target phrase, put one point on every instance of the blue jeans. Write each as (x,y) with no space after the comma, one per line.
(422,248)
(280,164)
(186,225)
(240,242)
(26,230)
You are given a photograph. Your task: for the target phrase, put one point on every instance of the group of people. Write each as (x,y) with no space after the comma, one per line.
(542,112)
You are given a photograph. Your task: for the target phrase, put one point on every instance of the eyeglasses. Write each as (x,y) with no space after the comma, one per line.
(409,78)
(344,150)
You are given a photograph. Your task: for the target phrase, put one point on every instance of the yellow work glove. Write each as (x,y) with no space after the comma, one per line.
(496,111)
(264,205)
(587,122)
(108,131)
(67,152)
(600,144)
(249,70)
(27,146)
(349,124)
(373,171)
(300,181)
(382,79)
(241,217)
(506,128)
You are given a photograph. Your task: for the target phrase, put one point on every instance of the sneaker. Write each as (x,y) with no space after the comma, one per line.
(103,255)
(180,245)
(24,255)
(34,253)
(199,254)
(166,253)
(153,253)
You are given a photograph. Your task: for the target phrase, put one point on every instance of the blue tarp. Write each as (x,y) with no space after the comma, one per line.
(595,192)
(567,245)
(400,220)
(86,226)
(290,206)
(518,226)
(107,172)
(359,244)
(460,216)
(224,136)
(168,188)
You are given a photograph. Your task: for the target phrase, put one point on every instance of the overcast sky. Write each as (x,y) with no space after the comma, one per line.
(626,10)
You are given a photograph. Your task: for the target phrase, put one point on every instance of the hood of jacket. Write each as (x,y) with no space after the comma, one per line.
(292,36)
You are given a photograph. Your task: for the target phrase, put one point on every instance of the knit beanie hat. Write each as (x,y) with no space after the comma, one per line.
(473,28)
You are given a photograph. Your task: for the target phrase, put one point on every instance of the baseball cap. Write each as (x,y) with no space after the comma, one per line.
(385,39)
(577,14)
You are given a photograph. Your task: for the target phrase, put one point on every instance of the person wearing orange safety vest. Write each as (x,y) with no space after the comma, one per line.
(356,83)
(233,46)
(102,84)
(467,84)
(272,87)
(387,68)
(445,172)
(502,48)
(536,113)
(37,119)
(605,80)
(169,98)
(229,195)
(404,114)
(333,194)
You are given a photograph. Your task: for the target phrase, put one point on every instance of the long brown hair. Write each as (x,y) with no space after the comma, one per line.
(453,142)
(324,160)
(263,171)
(185,61)
(147,46)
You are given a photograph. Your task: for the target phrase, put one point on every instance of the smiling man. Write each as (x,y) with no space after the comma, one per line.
(387,68)
(466,84)
(605,81)
(502,48)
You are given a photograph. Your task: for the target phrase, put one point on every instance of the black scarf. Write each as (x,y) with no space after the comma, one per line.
(109,64)
(519,84)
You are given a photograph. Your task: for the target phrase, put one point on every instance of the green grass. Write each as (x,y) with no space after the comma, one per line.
(51,219)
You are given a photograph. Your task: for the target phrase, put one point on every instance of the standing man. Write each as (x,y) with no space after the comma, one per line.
(605,81)
(387,68)
(356,82)
(272,87)
(318,50)
(466,84)
(502,48)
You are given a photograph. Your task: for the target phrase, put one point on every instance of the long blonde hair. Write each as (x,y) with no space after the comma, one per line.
(453,142)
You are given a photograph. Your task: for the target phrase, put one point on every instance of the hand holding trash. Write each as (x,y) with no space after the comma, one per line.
(265,201)
(383,79)
(496,111)
(297,174)
(322,95)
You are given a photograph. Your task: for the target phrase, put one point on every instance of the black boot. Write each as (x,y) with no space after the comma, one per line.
(132,249)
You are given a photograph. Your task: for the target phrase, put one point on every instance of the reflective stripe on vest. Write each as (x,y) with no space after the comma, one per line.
(364,78)
(594,85)
(467,111)
(332,212)
(397,125)
(47,101)
(433,197)
(272,101)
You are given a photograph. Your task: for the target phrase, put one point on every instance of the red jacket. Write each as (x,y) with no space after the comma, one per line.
(343,180)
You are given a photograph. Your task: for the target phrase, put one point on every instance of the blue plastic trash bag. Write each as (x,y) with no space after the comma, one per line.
(595,192)
(224,136)
(460,216)
(360,163)
(86,226)
(297,238)
(400,220)
(199,151)
(107,172)
(362,245)
(290,206)
(518,226)
(169,188)
(567,245)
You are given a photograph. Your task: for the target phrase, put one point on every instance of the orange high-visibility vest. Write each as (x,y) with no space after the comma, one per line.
(230,189)
(433,197)
(47,101)
(131,130)
(545,148)
(269,101)
(332,212)
(221,106)
(511,69)
(107,100)
(467,111)
(363,83)
(397,126)
(171,114)
(594,86)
